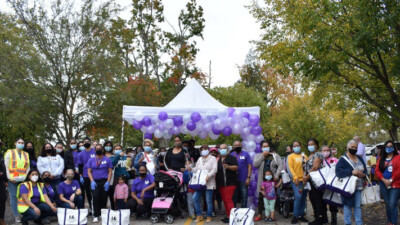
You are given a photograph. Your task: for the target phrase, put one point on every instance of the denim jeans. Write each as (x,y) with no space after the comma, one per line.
(391,196)
(12,189)
(241,190)
(299,200)
(190,203)
(357,209)
(78,201)
(45,211)
(196,199)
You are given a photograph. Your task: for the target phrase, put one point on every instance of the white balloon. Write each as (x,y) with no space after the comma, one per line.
(251,146)
(244,122)
(229,121)
(199,126)
(143,129)
(169,123)
(158,133)
(252,155)
(186,118)
(245,132)
(223,113)
(207,127)
(203,135)
(244,144)
(193,132)
(259,138)
(138,116)
(250,137)
(237,115)
(236,128)
(218,123)
(167,135)
(184,129)
(151,129)
(213,136)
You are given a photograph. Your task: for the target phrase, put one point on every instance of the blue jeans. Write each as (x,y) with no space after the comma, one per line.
(45,211)
(357,209)
(209,197)
(391,196)
(241,190)
(78,201)
(299,200)
(12,189)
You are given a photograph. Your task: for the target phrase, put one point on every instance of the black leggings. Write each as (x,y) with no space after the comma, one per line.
(140,209)
(99,197)
(3,198)
(88,191)
(317,203)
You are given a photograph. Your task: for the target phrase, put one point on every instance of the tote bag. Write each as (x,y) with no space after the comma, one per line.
(332,198)
(115,217)
(198,181)
(241,216)
(344,186)
(370,194)
(72,216)
(320,177)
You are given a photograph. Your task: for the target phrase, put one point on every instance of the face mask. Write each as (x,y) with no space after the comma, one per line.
(147,148)
(47,180)
(389,150)
(29,149)
(352,151)
(238,149)
(87,145)
(326,154)
(311,148)
(185,148)
(99,152)
(108,148)
(20,146)
(81,148)
(49,151)
(59,150)
(268,177)
(70,177)
(223,152)
(162,153)
(288,153)
(205,152)
(178,144)
(34,178)
(296,149)
(117,152)
(142,174)
(73,147)
(265,149)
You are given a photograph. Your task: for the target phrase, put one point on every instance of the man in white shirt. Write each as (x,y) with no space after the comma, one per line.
(360,149)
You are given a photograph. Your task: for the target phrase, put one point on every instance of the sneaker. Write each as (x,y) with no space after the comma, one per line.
(257,218)
(46,220)
(38,222)
(198,219)
(271,220)
(294,220)
(213,214)
(315,222)
(225,220)
(266,220)
(18,219)
(208,220)
(95,220)
(193,217)
(303,219)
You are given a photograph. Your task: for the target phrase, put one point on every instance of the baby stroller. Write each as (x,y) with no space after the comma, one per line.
(168,204)
(286,200)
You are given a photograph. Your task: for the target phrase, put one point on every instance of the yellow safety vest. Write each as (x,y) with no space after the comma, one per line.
(22,206)
(18,165)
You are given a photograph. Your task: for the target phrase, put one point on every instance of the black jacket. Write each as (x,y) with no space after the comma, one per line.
(68,160)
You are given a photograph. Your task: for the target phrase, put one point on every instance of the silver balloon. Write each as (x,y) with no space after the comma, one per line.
(169,123)
(158,133)
(151,129)
(236,129)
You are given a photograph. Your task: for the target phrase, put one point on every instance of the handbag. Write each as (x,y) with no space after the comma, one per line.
(344,186)
(370,193)
(115,217)
(72,216)
(332,198)
(151,167)
(320,176)
(241,216)
(198,181)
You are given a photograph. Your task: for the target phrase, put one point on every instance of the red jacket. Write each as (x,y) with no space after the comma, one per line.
(395,172)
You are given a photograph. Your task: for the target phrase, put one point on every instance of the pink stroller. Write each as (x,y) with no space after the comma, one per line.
(168,202)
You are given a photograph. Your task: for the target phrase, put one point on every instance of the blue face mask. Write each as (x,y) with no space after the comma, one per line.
(311,148)
(117,152)
(268,177)
(73,147)
(20,146)
(108,148)
(296,149)
(389,150)
(59,150)
(185,148)
(147,148)
(265,149)
(82,148)
(223,152)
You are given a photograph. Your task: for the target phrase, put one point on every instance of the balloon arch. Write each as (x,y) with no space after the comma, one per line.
(188,117)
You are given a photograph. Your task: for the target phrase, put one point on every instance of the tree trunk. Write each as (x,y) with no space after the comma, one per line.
(393,131)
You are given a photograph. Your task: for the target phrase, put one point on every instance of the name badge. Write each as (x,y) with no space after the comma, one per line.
(103,162)
(390,169)
(242,157)
(146,182)
(92,155)
(74,188)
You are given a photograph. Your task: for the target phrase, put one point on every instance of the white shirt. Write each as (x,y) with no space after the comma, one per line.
(53,164)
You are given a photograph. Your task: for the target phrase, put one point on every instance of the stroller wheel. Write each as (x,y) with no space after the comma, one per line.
(154,218)
(183,214)
(285,210)
(169,218)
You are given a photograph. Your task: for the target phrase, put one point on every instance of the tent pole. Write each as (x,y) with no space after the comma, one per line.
(122,132)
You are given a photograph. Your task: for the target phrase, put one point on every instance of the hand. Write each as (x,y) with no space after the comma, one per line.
(107,186)
(247,181)
(82,180)
(93,185)
(386,182)
(37,211)
(142,194)
(182,170)
(140,202)
(72,198)
(121,154)
(360,174)
(141,158)
(354,172)
(72,205)
(266,153)
(13,181)
(296,182)
(225,166)
(54,209)
(125,200)
(305,178)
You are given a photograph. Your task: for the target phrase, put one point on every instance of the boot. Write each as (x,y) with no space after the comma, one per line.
(2,222)
(315,222)
(333,218)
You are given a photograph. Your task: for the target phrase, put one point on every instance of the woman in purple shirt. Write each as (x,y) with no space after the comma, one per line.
(46,177)
(99,172)
(142,193)
(70,193)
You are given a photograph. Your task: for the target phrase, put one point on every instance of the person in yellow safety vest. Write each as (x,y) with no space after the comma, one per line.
(33,202)
(17,167)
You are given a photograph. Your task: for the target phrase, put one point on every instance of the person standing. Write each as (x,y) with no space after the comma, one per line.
(388,172)
(348,165)
(99,172)
(244,170)
(360,148)
(147,156)
(52,162)
(121,193)
(17,165)
(3,192)
(70,155)
(194,153)
(161,157)
(30,149)
(118,160)
(83,158)
(329,159)
(175,159)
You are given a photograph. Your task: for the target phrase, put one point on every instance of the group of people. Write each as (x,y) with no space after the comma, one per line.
(88,171)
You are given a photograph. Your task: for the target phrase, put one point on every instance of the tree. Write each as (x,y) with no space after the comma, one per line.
(350,44)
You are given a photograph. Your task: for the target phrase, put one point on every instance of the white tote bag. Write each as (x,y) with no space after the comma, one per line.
(319,177)
(115,217)
(371,193)
(332,198)
(345,186)
(241,216)
(198,181)
(72,216)
(151,167)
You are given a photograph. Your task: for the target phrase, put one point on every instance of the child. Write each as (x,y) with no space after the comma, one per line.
(121,193)
(268,191)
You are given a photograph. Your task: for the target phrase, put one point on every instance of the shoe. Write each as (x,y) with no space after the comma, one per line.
(303,219)
(46,220)
(208,220)
(213,214)
(17,219)
(271,220)
(193,217)
(266,219)
(95,220)
(198,219)
(225,220)
(294,220)
(2,222)
(257,218)
(315,222)
(24,223)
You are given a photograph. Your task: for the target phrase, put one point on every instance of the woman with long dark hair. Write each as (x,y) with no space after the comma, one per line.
(30,149)
(388,172)
(50,161)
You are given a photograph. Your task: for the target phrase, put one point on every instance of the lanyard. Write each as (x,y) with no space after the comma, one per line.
(98,162)
(237,158)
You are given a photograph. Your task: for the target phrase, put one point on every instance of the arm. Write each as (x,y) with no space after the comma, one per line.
(137,159)
(64,199)
(41,165)
(343,169)
(109,174)
(28,202)
(115,159)
(48,202)
(7,163)
(151,187)
(280,166)
(396,170)
(291,167)
(258,159)
(90,174)
(214,167)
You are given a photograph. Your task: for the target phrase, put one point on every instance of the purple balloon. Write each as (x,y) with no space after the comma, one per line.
(196,117)
(148,136)
(258,149)
(163,115)
(227,131)
(137,124)
(230,111)
(215,130)
(174,130)
(161,126)
(255,201)
(246,115)
(256,130)
(146,121)
(253,120)
(191,125)
(178,121)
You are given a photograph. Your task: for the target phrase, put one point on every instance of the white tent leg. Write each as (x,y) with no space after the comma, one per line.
(122,132)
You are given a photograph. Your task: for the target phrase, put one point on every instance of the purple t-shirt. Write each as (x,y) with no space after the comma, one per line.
(139,184)
(269,189)
(36,195)
(50,192)
(84,157)
(99,167)
(244,160)
(68,189)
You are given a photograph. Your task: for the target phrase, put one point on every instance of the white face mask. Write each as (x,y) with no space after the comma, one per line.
(34,178)
(205,152)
